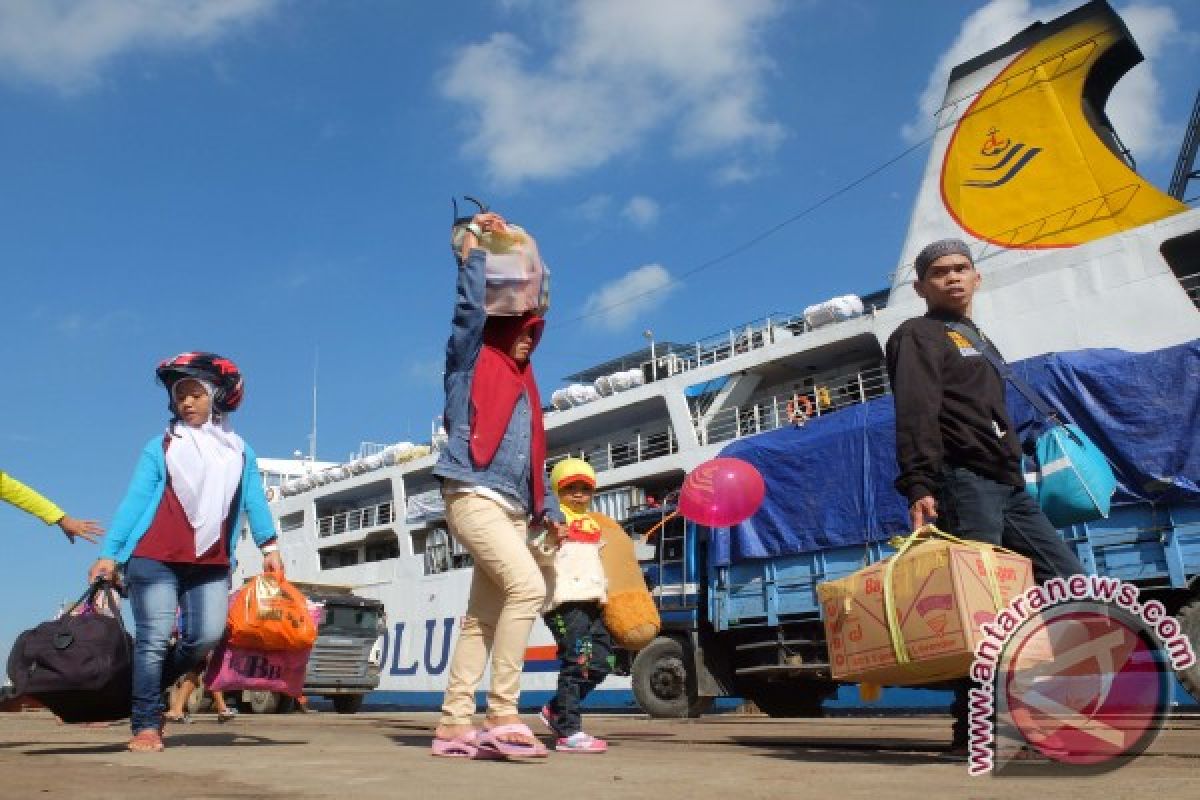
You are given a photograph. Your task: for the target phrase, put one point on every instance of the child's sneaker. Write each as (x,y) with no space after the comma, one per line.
(581,743)
(550,720)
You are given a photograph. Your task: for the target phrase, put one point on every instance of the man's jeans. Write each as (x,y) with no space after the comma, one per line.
(973,507)
(156,591)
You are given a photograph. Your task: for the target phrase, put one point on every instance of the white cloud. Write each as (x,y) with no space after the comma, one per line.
(594,209)
(1136,104)
(617,72)
(66,43)
(617,304)
(736,172)
(642,211)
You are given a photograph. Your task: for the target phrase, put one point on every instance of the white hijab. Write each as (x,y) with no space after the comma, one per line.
(205,465)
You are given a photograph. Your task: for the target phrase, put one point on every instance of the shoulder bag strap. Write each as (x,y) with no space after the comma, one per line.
(989,352)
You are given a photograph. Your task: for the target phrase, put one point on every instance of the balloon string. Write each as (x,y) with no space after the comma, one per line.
(658,526)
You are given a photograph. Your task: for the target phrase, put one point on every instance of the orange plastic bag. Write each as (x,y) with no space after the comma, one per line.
(268,613)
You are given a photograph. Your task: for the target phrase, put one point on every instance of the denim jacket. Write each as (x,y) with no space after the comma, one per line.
(508,473)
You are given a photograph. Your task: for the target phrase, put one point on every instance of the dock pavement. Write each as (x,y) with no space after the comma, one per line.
(386,755)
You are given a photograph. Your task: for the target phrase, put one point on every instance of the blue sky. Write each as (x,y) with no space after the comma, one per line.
(263,178)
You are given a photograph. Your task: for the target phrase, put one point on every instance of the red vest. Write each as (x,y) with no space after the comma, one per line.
(171,538)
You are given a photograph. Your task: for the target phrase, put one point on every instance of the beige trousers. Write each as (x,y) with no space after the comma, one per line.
(507,592)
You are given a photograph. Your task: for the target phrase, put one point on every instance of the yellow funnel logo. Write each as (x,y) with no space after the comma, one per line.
(1025,168)
(1009,160)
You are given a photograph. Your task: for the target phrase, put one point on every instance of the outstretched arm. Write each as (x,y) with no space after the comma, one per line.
(26,499)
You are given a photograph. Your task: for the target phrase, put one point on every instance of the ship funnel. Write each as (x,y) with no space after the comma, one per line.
(1024,158)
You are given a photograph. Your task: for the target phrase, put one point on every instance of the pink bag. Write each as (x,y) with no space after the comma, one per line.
(282,671)
(279,671)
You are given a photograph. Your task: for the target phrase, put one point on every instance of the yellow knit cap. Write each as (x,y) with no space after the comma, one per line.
(572,470)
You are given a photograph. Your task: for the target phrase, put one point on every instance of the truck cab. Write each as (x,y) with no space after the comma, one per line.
(346,660)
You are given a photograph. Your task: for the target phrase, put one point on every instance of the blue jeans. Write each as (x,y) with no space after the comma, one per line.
(156,591)
(971,506)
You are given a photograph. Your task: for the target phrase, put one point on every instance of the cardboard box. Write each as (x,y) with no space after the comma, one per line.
(942,598)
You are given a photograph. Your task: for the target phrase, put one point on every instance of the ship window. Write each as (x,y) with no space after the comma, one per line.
(335,558)
(437,552)
(383,551)
(291,522)
(1183,255)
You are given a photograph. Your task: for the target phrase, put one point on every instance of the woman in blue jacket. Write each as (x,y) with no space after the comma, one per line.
(173,534)
(494,483)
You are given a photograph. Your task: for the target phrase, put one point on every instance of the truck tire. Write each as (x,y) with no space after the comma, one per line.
(261,702)
(1189,621)
(347,703)
(663,683)
(782,699)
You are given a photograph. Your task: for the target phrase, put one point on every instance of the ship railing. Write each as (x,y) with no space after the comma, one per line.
(355,519)
(634,449)
(1191,285)
(768,413)
(367,449)
(733,342)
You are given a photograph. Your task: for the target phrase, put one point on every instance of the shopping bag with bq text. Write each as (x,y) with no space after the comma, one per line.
(232,668)
(268,613)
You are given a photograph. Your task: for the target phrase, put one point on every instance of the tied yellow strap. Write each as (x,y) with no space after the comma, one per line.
(902,545)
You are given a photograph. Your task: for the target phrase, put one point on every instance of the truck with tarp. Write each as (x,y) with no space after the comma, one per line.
(740,610)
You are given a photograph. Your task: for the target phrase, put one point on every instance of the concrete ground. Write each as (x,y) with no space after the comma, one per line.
(386,755)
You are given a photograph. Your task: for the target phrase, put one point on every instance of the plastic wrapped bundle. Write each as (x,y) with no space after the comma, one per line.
(604,385)
(561,399)
(517,280)
(412,453)
(395,454)
(629,379)
(838,309)
(581,393)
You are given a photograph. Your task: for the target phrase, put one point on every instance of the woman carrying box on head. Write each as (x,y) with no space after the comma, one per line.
(494,483)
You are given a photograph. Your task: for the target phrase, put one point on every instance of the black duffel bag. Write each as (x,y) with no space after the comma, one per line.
(80,666)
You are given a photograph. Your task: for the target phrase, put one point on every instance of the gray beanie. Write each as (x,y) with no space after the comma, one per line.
(942,247)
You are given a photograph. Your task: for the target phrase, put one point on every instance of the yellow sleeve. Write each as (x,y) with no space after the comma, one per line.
(26,499)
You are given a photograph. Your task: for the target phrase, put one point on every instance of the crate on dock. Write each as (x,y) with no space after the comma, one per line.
(943,590)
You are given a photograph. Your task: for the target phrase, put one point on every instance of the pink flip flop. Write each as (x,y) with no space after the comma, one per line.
(490,741)
(462,746)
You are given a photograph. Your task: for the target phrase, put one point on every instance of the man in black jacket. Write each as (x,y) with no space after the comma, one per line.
(960,461)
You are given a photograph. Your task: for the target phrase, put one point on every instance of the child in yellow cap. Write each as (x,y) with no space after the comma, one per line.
(576,591)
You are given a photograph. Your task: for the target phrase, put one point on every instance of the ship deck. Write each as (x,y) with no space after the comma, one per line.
(385,755)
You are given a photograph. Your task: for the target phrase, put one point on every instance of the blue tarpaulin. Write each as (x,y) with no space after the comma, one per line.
(829,483)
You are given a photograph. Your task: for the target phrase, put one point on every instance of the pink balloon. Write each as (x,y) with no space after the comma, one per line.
(721,492)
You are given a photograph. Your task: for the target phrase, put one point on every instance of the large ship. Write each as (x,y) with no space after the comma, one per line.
(1076,249)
